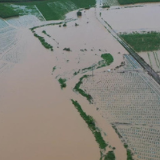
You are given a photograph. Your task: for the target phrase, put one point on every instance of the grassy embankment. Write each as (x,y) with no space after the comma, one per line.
(78,89)
(123,2)
(6,12)
(43,42)
(107,60)
(91,124)
(50,9)
(41,39)
(97,134)
(149,41)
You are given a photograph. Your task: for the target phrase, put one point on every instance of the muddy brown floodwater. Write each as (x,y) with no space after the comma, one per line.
(37,118)
(140,17)
(37,122)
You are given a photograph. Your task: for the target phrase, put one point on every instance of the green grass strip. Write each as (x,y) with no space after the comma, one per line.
(54,9)
(43,42)
(77,88)
(7,12)
(41,39)
(91,124)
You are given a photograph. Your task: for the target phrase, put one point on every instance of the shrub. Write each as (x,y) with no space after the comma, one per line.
(110,156)
(67,49)
(62,83)
(79,13)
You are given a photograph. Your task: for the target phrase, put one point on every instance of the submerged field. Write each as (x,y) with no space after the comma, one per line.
(69,90)
(38,113)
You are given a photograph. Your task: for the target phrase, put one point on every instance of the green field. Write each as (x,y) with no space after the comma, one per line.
(140,42)
(123,2)
(6,12)
(50,9)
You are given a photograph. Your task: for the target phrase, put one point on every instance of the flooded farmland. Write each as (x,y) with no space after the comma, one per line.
(45,64)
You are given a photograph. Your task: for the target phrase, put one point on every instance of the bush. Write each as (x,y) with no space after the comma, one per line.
(79,13)
(67,49)
(64,25)
(76,24)
(62,83)
(110,156)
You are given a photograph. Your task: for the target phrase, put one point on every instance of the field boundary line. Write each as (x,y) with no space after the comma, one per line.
(39,12)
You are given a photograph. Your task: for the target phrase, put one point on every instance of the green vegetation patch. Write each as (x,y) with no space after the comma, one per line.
(77,88)
(43,42)
(108,58)
(91,124)
(105,6)
(53,9)
(54,68)
(123,2)
(7,12)
(110,156)
(149,41)
(44,32)
(62,83)
(129,155)
(67,49)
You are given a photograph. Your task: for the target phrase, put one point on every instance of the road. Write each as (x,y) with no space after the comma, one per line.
(139,59)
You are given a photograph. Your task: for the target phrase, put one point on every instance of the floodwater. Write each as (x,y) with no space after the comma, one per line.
(139,17)
(37,121)
(37,118)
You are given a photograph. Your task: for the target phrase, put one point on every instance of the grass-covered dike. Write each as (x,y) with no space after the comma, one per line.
(91,124)
(77,88)
(95,131)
